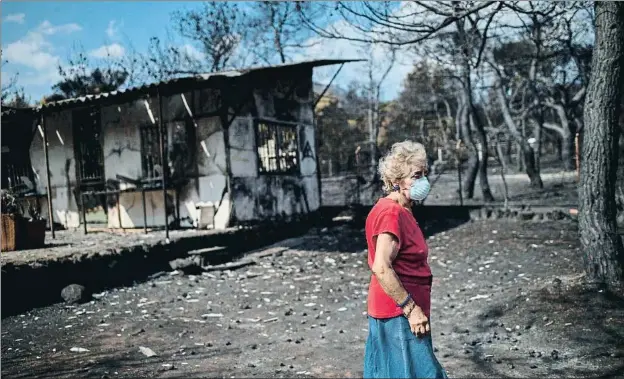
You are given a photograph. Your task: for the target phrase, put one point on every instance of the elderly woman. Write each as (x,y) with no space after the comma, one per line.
(399,296)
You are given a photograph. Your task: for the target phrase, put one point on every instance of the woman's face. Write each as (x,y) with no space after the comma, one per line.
(417,172)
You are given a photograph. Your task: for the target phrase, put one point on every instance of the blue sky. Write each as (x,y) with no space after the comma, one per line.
(36,36)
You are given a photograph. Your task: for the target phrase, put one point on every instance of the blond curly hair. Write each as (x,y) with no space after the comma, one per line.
(399,162)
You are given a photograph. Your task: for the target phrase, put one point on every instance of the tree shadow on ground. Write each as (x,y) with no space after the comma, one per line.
(119,363)
(571,308)
(346,235)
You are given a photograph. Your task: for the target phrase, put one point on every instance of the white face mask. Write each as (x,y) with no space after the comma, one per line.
(419,190)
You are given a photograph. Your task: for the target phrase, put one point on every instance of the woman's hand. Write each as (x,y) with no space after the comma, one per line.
(419,323)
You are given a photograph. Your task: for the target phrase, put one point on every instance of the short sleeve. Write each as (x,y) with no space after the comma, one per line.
(387,222)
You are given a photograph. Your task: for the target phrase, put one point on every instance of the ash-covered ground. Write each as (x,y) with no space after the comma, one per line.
(506,303)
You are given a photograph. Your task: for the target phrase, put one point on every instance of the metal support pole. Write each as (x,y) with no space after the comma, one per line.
(177,196)
(83,210)
(144,211)
(47,162)
(119,210)
(163,160)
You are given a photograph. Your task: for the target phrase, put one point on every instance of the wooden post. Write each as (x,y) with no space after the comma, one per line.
(83,211)
(144,210)
(119,210)
(163,160)
(177,197)
(47,162)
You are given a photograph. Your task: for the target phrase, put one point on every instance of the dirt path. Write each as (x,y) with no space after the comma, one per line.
(300,313)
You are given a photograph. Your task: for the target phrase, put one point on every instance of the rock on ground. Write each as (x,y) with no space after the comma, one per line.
(74,294)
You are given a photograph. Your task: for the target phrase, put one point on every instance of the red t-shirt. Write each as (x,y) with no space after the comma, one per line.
(410,264)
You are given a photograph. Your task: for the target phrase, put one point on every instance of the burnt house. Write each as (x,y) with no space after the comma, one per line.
(216,150)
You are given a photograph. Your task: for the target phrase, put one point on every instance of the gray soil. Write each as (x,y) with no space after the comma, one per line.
(498,311)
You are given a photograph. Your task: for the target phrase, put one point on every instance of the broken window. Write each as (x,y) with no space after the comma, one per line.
(208,102)
(150,152)
(17,173)
(87,125)
(182,159)
(278,150)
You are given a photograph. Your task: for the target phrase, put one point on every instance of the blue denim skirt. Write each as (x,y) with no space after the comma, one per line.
(393,351)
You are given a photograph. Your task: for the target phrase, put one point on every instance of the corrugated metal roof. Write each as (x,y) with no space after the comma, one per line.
(10,111)
(193,78)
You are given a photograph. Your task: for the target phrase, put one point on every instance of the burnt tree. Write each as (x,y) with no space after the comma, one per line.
(478,151)
(603,252)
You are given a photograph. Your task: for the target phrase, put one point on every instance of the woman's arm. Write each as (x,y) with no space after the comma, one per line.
(385,252)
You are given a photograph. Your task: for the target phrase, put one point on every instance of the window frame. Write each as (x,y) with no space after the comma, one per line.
(277,125)
(142,131)
(11,168)
(85,141)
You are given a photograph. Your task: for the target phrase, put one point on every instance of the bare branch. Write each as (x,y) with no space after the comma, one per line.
(378,19)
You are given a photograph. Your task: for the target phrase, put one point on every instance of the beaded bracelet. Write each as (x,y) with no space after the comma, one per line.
(410,311)
(406,301)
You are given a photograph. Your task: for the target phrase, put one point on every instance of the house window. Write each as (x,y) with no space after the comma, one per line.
(208,102)
(88,147)
(278,150)
(182,158)
(17,174)
(150,152)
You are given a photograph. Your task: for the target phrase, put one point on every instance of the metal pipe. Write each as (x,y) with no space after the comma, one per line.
(119,210)
(83,211)
(327,86)
(47,162)
(163,161)
(177,196)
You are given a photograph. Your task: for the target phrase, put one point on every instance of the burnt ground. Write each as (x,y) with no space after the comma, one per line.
(507,302)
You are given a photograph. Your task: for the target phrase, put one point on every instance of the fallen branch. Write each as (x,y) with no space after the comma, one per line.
(229,266)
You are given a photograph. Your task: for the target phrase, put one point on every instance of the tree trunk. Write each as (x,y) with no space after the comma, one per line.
(519,158)
(528,156)
(566,146)
(567,152)
(482,155)
(473,159)
(501,158)
(530,166)
(603,252)
(619,192)
(537,151)
(471,172)
(477,163)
